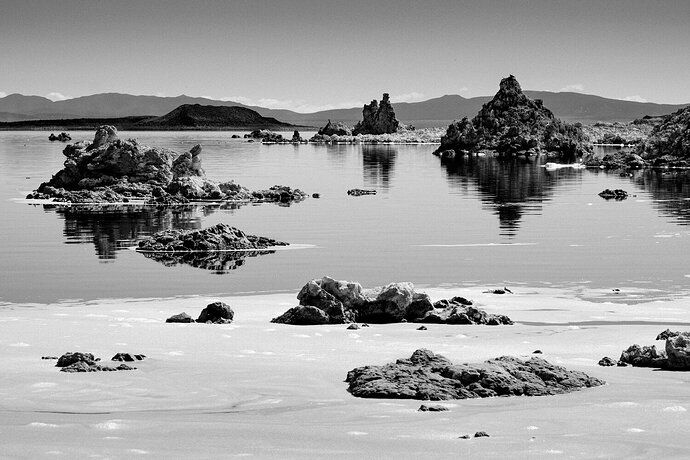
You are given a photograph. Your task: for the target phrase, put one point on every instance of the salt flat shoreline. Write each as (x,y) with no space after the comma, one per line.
(253,388)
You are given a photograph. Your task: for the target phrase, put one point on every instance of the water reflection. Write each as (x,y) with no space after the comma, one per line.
(217,261)
(114,227)
(670,190)
(378,164)
(510,188)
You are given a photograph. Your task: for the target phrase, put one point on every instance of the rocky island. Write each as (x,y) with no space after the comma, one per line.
(512,124)
(110,169)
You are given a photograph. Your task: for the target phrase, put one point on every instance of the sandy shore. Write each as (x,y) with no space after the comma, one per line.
(254,388)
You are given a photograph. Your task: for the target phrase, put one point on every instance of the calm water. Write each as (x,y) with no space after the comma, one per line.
(480,222)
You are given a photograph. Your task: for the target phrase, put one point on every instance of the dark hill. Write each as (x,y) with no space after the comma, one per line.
(202,116)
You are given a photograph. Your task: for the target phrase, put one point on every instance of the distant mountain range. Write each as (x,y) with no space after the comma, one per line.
(433,112)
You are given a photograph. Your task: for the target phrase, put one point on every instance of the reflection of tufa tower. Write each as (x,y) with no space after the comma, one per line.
(378,162)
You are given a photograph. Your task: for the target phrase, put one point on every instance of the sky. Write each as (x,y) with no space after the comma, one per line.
(309,55)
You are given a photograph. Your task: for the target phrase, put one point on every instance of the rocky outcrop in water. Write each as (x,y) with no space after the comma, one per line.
(111,170)
(127,357)
(617,194)
(512,124)
(360,192)
(329,301)
(180,318)
(265,135)
(86,362)
(669,141)
(338,128)
(377,118)
(428,376)
(220,237)
(62,137)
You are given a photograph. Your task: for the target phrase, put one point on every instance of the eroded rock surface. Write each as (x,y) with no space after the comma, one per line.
(338,128)
(428,376)
(86,362)
(216,313)
(512,124)
(377,118)
(340,302)
(220,237)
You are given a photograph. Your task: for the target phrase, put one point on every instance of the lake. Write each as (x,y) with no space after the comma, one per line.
(474,222)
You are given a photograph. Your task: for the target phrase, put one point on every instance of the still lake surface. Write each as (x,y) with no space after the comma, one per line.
(479,222)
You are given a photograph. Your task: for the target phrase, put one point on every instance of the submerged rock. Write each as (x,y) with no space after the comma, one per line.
(220,237)
(62,137)
(341,302)
(512,124)
(377,118)
(428,376)
(678,352)
(216,313)
(616,194)
(86,362)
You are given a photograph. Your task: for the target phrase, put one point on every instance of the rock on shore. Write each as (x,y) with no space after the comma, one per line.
(512,124)
(113,170)
(428,376)
(675,356)
(329,301)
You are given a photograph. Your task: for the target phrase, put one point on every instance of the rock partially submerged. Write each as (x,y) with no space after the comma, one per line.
(86,362)
(220,237)
(428,376)
(127,357)
(360,192)
(616,194)
(377,118)
(329,301)
(111,170)
(62,137)
(512,124)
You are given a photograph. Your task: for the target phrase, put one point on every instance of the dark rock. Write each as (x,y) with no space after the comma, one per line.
(432,377)
(62,137)
(617,194)
(432,408)
(280,194)
(303,315)
(220,237)
(495,291)
(315,195)
(465,436)
(377,118)
(616,160)
(360,192)
(365,325)
(353,326)
(216,313)
(235,136)
(456,312)
(606,361)
(678,352)
(668,334)
(296,137)
(422,328)
(537,352)
(180,318)
(265,135)
(127,357)
(512,124)
(481,434)
(337,129)
(77,357)
(49,357)
(643,356)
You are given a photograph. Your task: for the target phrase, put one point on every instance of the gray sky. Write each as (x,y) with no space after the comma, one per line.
(309,55)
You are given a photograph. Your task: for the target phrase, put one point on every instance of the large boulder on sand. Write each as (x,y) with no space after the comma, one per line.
(646,356)
(678,352)
(428,376)
(216,313)
(377,118)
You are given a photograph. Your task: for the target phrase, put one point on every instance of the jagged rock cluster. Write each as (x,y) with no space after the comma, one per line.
(86,362)
(220,237)
(675,356)
(214,313)
(512,124)
(669,141)
(338,129)
(377,118)
(329,301)
(62,137)
(428,376)
(112,170)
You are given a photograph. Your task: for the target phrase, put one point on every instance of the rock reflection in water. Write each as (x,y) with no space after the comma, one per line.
(115,227)
(670,189)
(378,164)
(509,188)
(220,262)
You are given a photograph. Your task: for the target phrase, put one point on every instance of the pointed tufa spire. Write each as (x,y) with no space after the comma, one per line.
(377,118)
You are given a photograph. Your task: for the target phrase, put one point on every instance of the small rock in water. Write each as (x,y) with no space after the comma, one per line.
(465,436)
(606,361)
(616,290)
(536,352)
(127,357)
(495,291)
(360,192)
(432,408)
(180,318)
(421,328)
(316,195)
(49,357)
(481,434)
(616,194)
(353,326)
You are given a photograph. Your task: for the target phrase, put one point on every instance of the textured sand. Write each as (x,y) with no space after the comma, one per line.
(258,389)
